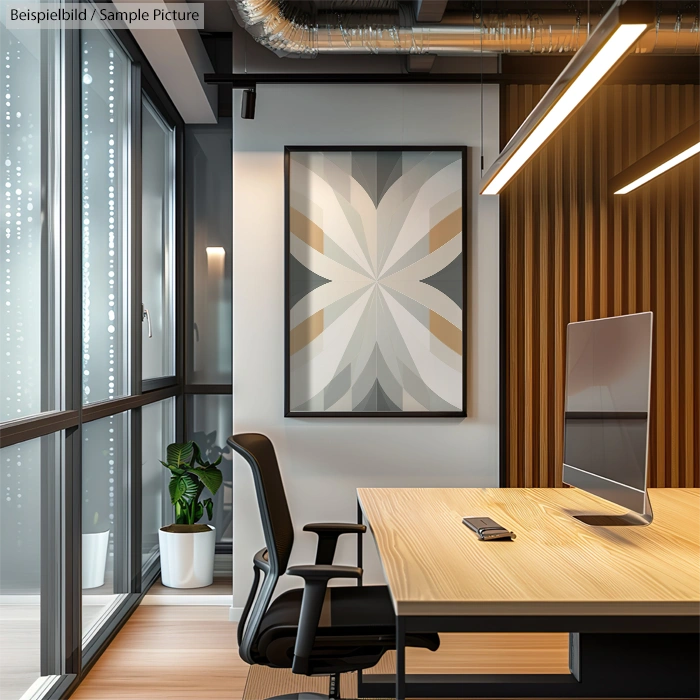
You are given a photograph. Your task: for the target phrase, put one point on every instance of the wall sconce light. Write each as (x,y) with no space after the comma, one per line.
(673,152)
(619,29)
(215,261)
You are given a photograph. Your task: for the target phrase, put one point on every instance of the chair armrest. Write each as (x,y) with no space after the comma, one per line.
(339,528)
(324,572)
(328,534)
(316,578)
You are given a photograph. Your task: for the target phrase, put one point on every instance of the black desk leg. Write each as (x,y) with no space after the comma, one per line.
(360,518)
(400,658)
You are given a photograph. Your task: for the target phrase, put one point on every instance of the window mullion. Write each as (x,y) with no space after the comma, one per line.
(72,541)
(135,500)
(135,277)
(71,481)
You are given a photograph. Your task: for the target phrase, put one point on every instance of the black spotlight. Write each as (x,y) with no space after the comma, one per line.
(248,104)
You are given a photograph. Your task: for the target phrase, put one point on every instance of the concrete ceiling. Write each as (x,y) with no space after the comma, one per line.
(217,16)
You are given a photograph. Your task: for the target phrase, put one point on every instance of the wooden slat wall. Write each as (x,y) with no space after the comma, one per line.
(574,252)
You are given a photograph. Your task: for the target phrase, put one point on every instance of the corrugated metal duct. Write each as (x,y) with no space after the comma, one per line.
(385,26)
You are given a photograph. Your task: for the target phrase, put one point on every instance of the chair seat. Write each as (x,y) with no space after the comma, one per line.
(357,627)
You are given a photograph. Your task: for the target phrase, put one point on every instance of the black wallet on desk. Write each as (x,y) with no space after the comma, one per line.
(488,529)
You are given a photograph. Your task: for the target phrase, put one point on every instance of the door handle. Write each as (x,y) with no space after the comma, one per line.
(146,316)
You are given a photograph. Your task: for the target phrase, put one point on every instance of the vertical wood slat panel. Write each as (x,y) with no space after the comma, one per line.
(514,312)
(658,421)
(647,98)
(575,252)
(688,308)
(696,328)
(544,281)
(618,277)
(560,303)
(529,280)
(630,119)
(604,258)
(589,203)
(672,245)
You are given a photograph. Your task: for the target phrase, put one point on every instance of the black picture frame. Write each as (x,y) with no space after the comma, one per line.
(288,413)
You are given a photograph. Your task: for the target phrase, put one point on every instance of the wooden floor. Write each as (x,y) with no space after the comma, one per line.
(173,652)
(169,653)
(185,652)
(180,652)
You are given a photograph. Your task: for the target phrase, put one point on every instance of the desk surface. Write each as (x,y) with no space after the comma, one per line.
(557,565)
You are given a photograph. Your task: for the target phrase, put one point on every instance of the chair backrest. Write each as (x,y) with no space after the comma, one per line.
(278,531)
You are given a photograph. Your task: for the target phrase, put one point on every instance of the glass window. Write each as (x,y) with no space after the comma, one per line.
(158,244)
(26,362)
(105,187)
(21,482)
(38,176)
(158,431)
(209,223)
(210,423)
(105,470)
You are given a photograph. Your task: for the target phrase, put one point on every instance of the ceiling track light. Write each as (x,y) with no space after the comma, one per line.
(668,155)
(612,38)
(248,103)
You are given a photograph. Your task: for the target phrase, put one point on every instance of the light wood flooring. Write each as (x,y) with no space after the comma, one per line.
(169,653)
(181,652)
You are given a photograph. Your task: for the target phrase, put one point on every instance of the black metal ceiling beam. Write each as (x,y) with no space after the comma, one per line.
(518,70)
(248,80)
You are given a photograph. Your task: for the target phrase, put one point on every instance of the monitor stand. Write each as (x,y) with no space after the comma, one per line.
(629,519)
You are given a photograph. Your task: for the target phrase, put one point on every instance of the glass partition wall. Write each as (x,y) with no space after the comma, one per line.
(91,387)
(209,314)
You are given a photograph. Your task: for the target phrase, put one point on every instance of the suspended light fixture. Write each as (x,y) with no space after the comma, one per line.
(673,152)
(619,29)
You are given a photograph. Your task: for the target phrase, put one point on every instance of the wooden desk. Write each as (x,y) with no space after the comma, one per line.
(629,596)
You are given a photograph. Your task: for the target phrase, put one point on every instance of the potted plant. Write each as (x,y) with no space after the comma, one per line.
(187,546)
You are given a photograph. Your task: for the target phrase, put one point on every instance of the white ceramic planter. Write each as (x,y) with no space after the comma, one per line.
(187,558)
(94,558)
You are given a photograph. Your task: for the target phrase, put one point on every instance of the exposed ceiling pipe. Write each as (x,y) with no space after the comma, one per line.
(385,26)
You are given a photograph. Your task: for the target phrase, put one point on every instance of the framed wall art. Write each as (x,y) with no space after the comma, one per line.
(375,281)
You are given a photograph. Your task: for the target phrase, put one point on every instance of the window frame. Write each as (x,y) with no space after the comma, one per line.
(148,100)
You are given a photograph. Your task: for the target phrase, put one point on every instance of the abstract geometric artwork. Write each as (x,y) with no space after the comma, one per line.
(375,281)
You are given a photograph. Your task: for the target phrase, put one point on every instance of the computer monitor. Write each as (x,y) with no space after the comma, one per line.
(606,414)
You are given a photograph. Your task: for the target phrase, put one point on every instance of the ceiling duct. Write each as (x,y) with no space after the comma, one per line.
(386,26)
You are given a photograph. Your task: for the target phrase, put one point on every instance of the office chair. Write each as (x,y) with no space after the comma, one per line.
(316,630)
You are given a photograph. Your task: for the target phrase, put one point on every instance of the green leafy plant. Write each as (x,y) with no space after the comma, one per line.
(191,474)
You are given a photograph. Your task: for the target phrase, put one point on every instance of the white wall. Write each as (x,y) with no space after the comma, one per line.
(323,460)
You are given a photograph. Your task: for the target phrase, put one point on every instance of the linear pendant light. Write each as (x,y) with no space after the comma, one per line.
(673,152)
(615,34)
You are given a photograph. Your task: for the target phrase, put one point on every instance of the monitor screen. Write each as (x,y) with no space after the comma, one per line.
(608,365)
